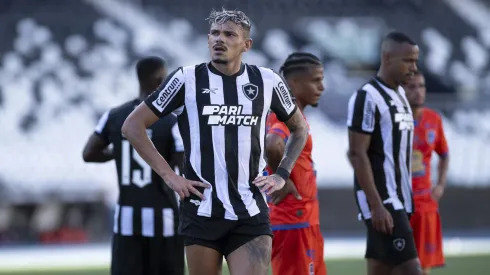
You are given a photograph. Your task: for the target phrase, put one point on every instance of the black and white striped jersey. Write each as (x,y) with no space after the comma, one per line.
(385,114)
(222,122)
(146,205)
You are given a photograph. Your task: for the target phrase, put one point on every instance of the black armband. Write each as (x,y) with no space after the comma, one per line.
(283,173)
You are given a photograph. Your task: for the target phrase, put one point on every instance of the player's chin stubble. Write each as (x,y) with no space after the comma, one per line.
(220,61)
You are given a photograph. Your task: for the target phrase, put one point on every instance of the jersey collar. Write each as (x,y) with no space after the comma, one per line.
(215,71)
(377,78)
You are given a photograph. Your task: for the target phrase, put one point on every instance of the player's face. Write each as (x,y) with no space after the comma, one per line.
(227,42)
(403,62)
(415,89)
(308,88)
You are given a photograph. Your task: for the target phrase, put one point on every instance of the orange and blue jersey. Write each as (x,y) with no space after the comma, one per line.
(292,213)
(428,138)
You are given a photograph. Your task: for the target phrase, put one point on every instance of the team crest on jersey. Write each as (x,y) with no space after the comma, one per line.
(431,136)
(250,91)
(399,244)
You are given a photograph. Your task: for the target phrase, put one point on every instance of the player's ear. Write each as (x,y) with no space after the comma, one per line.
(248,44)
(385,57)
(292,82)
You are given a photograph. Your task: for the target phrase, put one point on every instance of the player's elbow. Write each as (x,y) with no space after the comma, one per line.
(129,127)
(354,154)
(87,155)
(301,130)
(357,157)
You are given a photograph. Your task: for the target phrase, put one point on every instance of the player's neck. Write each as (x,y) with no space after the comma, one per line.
(417,112)
(230,68)
(300,105)
(387,80)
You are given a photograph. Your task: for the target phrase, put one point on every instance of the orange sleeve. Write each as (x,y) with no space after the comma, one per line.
(275,126)
(441,147)
(280,129)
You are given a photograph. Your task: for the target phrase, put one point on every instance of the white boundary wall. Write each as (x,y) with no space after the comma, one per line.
(93,256)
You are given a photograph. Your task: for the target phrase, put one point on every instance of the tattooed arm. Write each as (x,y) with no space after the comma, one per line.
(295,144)
(275,143)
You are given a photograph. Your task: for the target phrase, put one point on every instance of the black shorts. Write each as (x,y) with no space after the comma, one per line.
(225,236)
(147,255)
(392,249)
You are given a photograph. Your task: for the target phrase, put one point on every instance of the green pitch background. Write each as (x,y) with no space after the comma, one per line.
(474,265)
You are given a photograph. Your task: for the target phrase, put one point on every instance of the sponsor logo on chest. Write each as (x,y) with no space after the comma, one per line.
(228,115)
(405,121)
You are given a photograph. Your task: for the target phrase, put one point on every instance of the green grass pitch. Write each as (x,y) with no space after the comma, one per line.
(474,265)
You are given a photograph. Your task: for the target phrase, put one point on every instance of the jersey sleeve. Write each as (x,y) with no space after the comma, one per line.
(177,139)
(361,112)
(169,96)
(441,147)
(280,129)
(102,128)
(283,103)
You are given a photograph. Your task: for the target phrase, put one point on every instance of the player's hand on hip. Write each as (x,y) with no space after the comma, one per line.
(281,194)
(184,187)
(437,192)
(269,184)
(382,220)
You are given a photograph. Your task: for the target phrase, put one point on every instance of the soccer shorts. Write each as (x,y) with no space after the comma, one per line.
(427,232)
(222,235)
(147,255)
(393,249)
(298,252)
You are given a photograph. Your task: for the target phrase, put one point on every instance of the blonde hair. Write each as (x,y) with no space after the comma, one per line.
(223,16)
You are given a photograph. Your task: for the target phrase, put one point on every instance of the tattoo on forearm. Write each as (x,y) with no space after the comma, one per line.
(295,144)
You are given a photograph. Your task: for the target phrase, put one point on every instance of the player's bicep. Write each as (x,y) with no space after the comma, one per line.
(99,140)
(282,102)
(169,96)
(94,147)
(441,145)
(142,114)
(296,122)
(361,113)
(274,149)
(358,143)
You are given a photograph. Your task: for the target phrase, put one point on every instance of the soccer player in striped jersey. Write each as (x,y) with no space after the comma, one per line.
(222,108)
(145,221)
(380,124)
(297,247)
(428,138)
